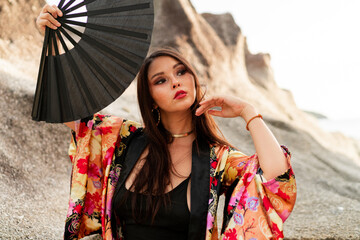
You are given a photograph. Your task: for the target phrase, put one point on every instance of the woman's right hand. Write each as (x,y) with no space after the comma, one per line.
(47,17)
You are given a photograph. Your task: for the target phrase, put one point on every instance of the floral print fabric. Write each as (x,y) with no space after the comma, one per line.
(253,209)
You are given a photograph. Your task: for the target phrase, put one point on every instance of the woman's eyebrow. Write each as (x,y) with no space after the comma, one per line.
(177,64)
(159,73)
(156,74)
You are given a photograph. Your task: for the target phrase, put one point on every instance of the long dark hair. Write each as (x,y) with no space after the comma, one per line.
(154,176)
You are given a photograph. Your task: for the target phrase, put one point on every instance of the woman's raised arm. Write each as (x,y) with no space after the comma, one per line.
(271,157)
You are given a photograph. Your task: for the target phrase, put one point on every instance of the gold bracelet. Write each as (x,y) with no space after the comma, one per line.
(257,116)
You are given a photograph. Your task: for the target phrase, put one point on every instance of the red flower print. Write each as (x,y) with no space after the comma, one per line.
(100,116)
(82,166)
(93,201)
(266,203)
(78,208)
(282,195)
(231,234)
(106,130)
(213,181)
(132,129)
(214,164)
(244,197)
(89,207)
(82,129)
(94,171)
(276,231)
(109,154)
(96,197)
(247,178)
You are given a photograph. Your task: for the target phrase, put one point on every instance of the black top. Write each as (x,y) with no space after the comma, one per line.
(171,222)
(200,180)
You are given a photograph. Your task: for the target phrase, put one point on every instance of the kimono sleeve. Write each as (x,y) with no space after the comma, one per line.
(91,152)
(255,208)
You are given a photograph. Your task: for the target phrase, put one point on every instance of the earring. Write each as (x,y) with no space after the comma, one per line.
(158,115)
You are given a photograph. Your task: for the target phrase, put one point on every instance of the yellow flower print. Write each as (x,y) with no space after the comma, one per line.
(127,127)
(231,174)
(92,225)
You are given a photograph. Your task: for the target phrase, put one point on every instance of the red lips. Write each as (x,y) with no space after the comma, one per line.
(180,94)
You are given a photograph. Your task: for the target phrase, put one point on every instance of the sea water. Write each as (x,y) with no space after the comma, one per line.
(349,127)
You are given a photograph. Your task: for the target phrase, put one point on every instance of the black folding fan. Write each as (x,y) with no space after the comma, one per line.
(96,59)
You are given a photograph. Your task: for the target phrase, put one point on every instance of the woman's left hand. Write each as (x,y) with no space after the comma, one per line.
(230,107)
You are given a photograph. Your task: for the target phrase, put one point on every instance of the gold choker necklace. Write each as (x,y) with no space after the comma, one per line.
(181,134)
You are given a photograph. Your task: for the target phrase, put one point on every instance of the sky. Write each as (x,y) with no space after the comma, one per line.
(314,48)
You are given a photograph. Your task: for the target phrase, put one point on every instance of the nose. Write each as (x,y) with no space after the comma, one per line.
(176,84)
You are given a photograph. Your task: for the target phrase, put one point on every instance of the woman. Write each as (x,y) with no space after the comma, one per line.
(163,180)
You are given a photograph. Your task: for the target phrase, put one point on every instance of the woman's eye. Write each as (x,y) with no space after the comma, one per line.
(181,72)
(160,81)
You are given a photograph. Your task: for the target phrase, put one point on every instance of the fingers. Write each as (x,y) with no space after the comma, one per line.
(44,22)
(47,17)
(209,103)
(207,108)
(216,101)
(216,113)
(53,10)
(204,105)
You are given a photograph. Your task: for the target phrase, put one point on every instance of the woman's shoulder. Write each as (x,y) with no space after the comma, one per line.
(129,126)
(107,120)
(104,124)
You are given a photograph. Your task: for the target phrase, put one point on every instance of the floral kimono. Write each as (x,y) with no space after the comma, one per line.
(104,149)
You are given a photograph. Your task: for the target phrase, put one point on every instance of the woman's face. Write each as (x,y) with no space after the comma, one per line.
(171,86)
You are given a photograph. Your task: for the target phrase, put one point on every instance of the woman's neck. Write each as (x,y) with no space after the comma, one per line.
(177,123)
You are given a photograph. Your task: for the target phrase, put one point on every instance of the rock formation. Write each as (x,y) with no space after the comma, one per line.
(34,168)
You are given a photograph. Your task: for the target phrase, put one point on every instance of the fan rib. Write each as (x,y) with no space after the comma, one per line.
(78,6)
(75,15)
(102,47)
(37,107)
(63,44)
(53,109)
(107,29)
(65,100)
(54,43)
(119,9)
(88,93)
(48,100)
(58,95)
(92,63)
(67,5)
(50,44)
(61,3)
(83,89)
(84,14)
(110,10)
